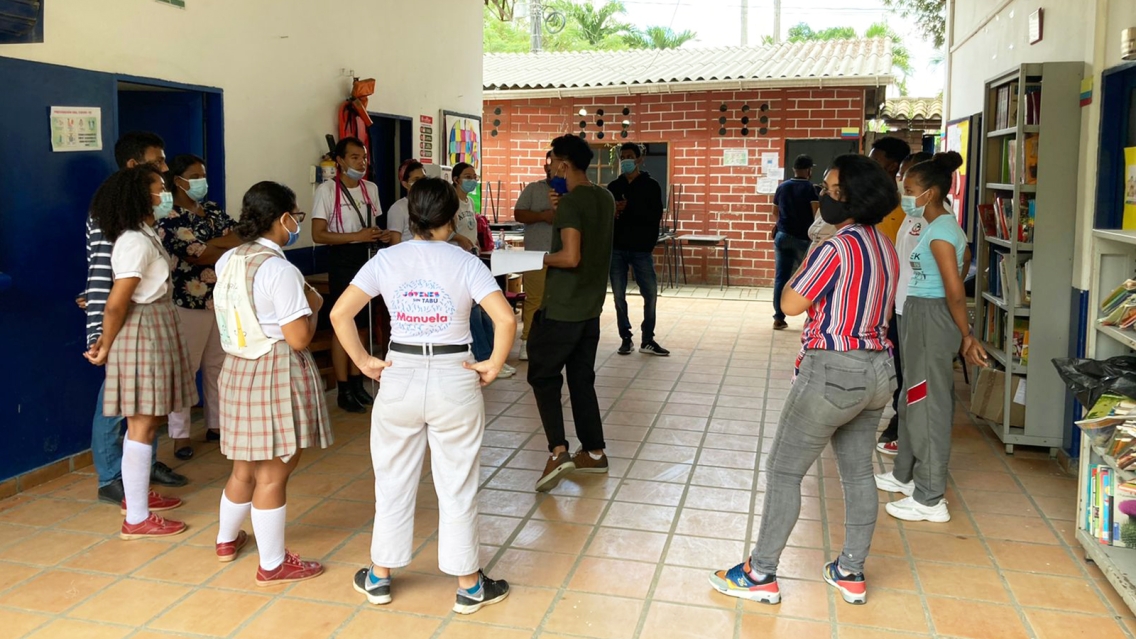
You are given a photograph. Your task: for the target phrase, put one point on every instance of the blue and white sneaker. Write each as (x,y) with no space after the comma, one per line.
(736,582)
(485,593)
(852,588)
(377,590)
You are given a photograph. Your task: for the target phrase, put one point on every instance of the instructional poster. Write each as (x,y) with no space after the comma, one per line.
(1130,188)
(76,129)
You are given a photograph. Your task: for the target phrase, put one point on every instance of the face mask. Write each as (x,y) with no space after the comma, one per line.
(353,174)
(627,166)
(832,211)
(559,184)
(292,237)
(909,207)
(167,205)
(469,186)
(197,189)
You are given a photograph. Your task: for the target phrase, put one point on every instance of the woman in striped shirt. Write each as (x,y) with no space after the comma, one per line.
(844,379)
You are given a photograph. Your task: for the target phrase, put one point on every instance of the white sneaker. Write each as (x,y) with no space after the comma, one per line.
(506,372)
(908,509)
(889,484)
(524,357)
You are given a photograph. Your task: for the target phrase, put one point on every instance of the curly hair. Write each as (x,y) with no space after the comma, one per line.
(124,200)
(869,192)
(262,205)
(938,172)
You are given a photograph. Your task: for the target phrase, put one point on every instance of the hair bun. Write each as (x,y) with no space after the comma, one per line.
(950,161)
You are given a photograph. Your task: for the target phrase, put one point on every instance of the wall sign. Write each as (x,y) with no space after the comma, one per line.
(76,129)
(1036,25)
(735,157)
(425,139)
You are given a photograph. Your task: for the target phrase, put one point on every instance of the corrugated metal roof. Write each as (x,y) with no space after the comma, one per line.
(913,109)
(801,63)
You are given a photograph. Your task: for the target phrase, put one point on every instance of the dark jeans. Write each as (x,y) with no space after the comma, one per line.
(643,263)
(789,252)
(566,346)
(891,433)
(106,443)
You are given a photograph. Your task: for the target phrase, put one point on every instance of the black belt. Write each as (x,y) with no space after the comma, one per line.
(426,350)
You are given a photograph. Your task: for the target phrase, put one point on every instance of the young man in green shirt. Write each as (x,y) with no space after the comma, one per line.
(566,330)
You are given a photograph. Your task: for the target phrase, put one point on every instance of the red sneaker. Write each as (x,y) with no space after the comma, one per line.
(153,526)
(228,550)
(158,503)
(888,448)
(293,569)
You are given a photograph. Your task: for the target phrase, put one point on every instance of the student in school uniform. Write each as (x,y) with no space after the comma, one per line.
(398,216)
(344,212)
(844,378)
(196,232)
(430,393)
(272,402)
(146,357)
(935,328)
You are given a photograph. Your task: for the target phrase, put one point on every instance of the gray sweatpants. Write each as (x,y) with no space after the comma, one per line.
(930,340)
(838,397)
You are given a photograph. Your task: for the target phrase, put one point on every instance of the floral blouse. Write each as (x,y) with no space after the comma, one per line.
(184,234)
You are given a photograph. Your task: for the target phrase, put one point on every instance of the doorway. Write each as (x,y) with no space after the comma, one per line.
(391,145)
(188,119)
(823,152)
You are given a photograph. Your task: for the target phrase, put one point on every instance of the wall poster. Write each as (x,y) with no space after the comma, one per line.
(461,137)
(958,139)
(76,129)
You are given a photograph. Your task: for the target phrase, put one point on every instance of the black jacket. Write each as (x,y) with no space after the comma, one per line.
(637,227)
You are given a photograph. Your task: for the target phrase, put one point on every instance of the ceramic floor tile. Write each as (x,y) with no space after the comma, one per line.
(131,601)
(84,629)
(762,627)
(18,623)
(974,620)
(1051,624)
(627,544)
(54,591)
(967,582)
(682,622)
(596,616)
(880,612)
(1056,593)
(296,619)
(616,577)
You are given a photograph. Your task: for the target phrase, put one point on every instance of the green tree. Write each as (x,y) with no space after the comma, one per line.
(930,16)
(802,32)
(504,37)
(599,28)
(659,38)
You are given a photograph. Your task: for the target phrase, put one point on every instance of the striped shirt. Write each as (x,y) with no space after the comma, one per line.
(100,278)
(851,280)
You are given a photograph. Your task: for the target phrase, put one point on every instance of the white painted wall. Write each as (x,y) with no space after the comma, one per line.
(279,63)
(1084,30)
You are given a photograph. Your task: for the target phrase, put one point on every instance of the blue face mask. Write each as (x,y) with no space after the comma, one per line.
(292,237)
(627,166)
(469,186)
(353,174)
(907,202)
(167,204)
(197,189)
(558,183)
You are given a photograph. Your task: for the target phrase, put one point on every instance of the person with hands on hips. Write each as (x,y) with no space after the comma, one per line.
(935,328)
(343,217)
(146,357)
(430,393)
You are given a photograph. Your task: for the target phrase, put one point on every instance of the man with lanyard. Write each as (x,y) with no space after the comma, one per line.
(343,217)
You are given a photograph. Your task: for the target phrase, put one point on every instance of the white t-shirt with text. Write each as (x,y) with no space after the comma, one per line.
(346,220)
(429,288)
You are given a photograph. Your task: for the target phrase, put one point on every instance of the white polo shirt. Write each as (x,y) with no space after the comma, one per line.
(140,254)
(277,291)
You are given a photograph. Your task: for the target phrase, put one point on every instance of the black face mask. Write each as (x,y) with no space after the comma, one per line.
(832,211)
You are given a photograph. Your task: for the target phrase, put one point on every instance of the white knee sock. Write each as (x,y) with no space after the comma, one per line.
(268,525)
(136,479)
(231,518)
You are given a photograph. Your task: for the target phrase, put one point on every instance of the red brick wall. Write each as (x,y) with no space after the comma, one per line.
(717,199)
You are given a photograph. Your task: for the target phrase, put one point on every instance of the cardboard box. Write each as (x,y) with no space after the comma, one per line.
(989,395)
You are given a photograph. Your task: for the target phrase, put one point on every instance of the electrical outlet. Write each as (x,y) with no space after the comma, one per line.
(313,170)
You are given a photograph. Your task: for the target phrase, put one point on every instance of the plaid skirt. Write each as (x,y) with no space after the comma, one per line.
(272,406)
(147,371)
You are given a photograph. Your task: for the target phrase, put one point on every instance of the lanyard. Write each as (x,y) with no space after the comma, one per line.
(339,207)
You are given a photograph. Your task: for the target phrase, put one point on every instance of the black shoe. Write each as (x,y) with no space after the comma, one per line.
(358,388)
(184,453)
(376,593)
(780,325)
(626,347)
(651,347)
(891,433)
(347,401)
(112,493)
(212,435)
(491,592)
(163,475)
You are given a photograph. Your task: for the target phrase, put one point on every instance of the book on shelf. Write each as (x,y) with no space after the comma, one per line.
(993,333)
(1123,524)
(1010,174)
(1012,107)
(1029,147)
(989,224)
(1033,105)
(1119,307)
(1108,410)
(1021,339)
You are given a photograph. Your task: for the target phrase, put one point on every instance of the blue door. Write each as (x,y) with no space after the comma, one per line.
(47,389)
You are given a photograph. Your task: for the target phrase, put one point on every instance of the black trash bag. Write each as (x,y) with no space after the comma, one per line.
(1088,379)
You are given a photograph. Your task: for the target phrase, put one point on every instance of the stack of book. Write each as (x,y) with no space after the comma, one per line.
(1011,173)
(999,274)
(1006,113)
(998,219)
(1119,308)
(1110,502)
(994,334)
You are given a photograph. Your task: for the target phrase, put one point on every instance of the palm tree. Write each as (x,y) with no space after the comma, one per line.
(900,56)
(659,38)
(595,25)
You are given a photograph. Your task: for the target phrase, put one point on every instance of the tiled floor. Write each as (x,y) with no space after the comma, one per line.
(607,557)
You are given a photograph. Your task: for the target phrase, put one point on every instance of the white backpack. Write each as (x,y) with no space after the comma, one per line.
(241,335)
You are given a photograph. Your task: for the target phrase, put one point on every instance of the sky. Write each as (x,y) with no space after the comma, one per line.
(717,23)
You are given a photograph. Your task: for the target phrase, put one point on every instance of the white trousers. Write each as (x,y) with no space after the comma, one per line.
(427,401)
(199,327)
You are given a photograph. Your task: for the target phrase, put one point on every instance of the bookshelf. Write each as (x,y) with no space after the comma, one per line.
(1027,207)
(1113,261)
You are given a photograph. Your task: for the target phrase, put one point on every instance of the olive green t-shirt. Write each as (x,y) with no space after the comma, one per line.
(577,294)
